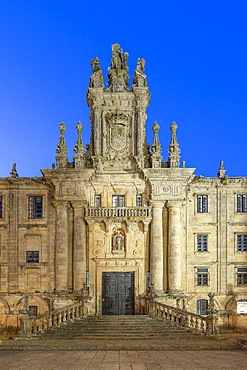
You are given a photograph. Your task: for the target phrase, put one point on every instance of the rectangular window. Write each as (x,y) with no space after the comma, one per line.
(118,201)
(202,242)
(241,276)
(35,207)
(1,207)
(202,203)
(32,257)
(242,203)
(242,242)
(202,276)
(202,306)
(97,201)
(33,310)
(138,200)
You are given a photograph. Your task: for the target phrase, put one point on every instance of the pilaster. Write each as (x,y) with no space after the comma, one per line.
(156,252)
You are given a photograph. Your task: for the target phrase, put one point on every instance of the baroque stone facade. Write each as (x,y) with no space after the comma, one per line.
(119,221)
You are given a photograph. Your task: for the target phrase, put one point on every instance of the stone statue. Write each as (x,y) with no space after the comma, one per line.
(14,173)
(96,78)
(140,79)
(118,242)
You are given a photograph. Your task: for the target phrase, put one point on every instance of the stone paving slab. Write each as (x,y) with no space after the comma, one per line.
(122,360)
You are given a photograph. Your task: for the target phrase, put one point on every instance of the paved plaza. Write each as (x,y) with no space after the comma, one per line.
(123,360)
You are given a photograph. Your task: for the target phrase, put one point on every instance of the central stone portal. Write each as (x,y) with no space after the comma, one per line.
(118,293)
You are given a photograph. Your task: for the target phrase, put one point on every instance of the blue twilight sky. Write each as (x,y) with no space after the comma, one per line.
(196,64)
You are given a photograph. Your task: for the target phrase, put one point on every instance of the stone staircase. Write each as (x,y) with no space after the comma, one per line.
(115,328)
(119,333)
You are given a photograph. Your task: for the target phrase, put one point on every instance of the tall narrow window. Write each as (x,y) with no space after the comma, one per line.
(202,276)
(97,201)
(202,242)
(1,207)
(118,201)
(202,203)
(138,200)
(242,242)
(35,207)
(201,306)
(32,257)
(242,203)
(241,276)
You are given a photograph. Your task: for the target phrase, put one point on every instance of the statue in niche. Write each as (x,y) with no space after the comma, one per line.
(118,242)
(96,78)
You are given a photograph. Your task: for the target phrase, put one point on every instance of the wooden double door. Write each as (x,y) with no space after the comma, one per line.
(117,293)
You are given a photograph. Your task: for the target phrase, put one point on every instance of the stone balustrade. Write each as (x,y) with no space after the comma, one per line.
(196,323)
(32,325)
(105,212)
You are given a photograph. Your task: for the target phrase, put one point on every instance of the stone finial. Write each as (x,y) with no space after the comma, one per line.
(62,150)
(174,151)
(96,78)
(118,72)
(140,79)
(156,147)
(222,172)
(79,147)
(14,173)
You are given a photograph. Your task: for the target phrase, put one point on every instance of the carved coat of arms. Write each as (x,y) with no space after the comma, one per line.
(118,136)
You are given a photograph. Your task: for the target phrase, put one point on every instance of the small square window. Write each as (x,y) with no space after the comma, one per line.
(202,276)
(138,200)
(242,203)
(33,310)
(242,242)
(202,203)
(35,207)
(241,276)
(32,257)
(202,242)
(97,201)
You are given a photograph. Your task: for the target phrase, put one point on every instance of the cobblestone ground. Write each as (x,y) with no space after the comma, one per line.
(123,360)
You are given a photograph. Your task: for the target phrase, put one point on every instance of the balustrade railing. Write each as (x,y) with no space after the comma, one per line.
(189,320)
(32,325)
(118,212)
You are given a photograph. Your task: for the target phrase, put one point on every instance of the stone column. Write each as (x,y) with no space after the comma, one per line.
(139,129)
(174,246)
(61,259)
(96,131)
(79,252)
(156,250)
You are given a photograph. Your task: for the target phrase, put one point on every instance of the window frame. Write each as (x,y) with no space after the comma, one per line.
(138,200)
(35,211)
(241,242)
(241,276)
(118,201)
(204,243)
(33,310)
(241,203)
(97,200)
(32,257)
(202,203)
(202,277)
(202,307)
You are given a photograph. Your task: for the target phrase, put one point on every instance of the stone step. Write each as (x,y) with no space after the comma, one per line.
(115,327)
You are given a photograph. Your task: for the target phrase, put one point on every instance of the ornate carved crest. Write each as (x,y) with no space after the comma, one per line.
(118,136)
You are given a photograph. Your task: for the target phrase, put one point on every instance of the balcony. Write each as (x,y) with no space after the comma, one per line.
(123,212)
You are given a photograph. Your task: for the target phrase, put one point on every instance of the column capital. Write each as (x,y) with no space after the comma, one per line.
(174,204)
(157,204)
(60,203)
(79,203)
